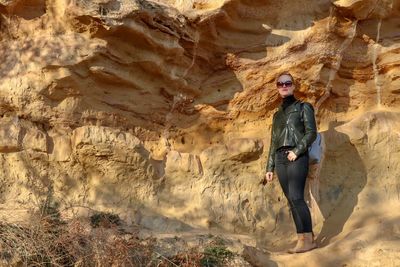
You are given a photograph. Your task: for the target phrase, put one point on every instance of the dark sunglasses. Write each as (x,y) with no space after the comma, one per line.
(286,84)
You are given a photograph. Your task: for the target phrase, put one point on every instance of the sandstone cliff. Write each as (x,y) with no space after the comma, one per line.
(161,111)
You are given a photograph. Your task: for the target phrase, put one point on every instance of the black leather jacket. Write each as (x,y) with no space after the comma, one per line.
(295,126)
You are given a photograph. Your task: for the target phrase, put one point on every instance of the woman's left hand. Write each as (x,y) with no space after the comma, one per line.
(291,156)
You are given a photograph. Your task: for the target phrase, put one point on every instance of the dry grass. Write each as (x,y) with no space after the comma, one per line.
(74,243)
(49,241)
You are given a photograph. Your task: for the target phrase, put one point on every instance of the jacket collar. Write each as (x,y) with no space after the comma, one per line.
(291,108)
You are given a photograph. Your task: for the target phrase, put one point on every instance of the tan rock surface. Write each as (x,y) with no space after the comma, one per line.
(161,110)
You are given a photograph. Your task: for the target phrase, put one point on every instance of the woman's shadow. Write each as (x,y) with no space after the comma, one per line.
(342,177)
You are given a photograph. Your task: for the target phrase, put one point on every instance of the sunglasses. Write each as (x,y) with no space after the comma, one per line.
(286,84)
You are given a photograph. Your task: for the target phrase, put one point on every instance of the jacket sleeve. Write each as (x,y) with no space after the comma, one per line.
(310,130)
(272,149)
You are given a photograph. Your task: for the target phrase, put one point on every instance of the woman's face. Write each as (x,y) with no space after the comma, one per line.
(285,85)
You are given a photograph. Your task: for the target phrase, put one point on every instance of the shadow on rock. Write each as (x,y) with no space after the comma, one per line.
(343,177)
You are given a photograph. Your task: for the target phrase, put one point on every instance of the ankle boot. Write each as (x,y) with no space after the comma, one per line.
(300,244)
(308,243)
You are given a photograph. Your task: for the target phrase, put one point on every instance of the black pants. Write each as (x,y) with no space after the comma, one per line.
(292,177)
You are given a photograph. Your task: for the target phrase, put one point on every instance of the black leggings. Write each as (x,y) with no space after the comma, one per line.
(292,177)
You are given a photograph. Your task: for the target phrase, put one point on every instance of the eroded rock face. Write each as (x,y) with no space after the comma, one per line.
(164,107)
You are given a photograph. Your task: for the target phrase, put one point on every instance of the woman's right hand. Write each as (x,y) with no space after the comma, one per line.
(269,176)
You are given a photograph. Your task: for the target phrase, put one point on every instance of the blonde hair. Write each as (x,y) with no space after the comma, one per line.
(284,73)
(295,83)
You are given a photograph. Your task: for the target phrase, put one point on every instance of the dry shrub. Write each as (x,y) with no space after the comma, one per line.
(47,240)
(210,256)
(184,259)
(75,243)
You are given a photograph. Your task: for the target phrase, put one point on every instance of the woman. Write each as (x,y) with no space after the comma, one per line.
(293,131)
